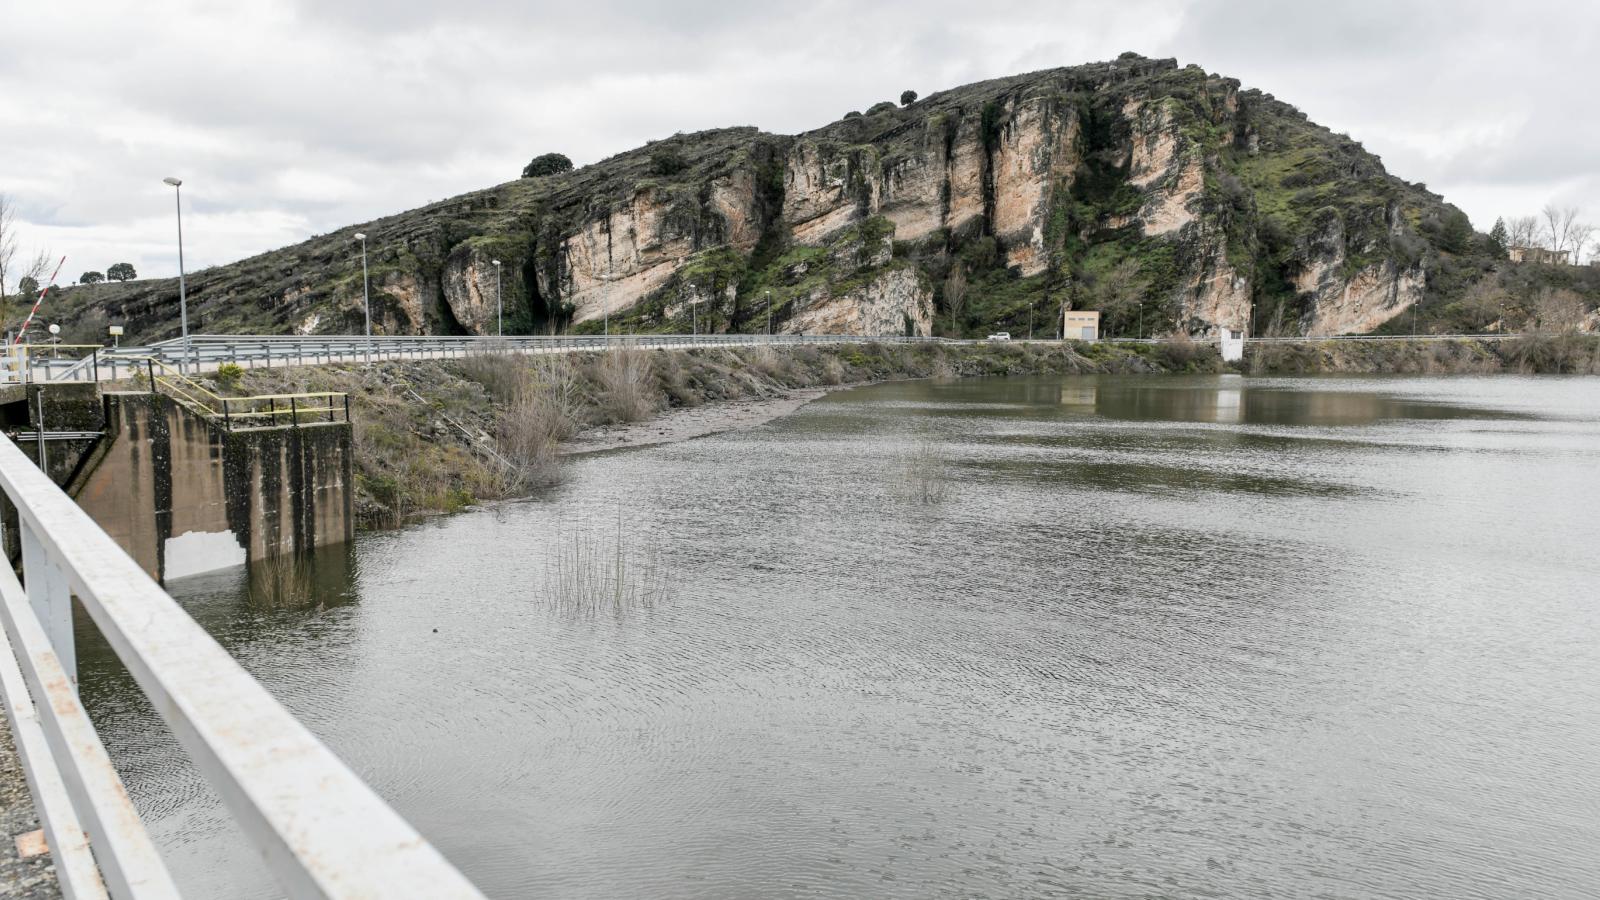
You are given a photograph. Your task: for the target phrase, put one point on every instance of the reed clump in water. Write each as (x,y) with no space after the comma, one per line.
(591,572)
(923,475)
(281,581)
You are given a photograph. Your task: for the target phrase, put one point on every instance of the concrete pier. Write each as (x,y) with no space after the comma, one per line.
(184,495)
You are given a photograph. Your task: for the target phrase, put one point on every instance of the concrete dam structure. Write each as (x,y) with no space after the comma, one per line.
(184,490)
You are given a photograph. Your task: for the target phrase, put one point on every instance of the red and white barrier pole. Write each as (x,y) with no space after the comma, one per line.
(35,311)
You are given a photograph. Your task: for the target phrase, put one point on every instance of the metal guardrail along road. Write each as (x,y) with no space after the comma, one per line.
(203,353)
(321,830)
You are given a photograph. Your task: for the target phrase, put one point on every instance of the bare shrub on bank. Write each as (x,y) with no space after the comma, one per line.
(501,373)
(541,411)
(1178,352)
(1566,353)
(625,377)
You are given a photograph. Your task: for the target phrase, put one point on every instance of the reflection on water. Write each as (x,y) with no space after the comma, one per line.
(1224,399)
(1158,637)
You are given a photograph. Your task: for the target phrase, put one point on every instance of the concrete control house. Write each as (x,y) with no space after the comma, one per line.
(1080,325)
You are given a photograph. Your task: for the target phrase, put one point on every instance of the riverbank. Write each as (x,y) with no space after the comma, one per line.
(1566,353)
(437,436)
(687,423)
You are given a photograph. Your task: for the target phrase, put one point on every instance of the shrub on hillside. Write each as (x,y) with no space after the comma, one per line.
(547,164)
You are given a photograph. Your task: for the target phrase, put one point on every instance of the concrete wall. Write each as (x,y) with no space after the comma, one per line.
(184,496)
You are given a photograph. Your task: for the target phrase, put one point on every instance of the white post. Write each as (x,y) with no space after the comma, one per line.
(50,598)
(366,299)
(183,295)
(499,304)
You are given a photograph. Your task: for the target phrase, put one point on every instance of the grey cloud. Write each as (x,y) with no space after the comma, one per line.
(293,117)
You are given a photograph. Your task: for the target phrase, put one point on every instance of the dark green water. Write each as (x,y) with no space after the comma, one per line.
(1150,637)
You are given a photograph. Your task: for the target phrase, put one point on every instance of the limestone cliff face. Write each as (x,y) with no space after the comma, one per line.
(614,260)
(893,302)
(956,176)
(471,290)
(1035,155)
(399,303)
(1347,298)
(1228,206)
(1163,164)
(1217,297)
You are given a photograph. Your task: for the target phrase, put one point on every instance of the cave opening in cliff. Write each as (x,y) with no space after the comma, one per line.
(541,316)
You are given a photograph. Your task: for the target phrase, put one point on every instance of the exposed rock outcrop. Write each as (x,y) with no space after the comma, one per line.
(1231,207)
(1348,297)
(897,300)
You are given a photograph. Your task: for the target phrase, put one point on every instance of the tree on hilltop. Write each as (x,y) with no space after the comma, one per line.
(1498,237)
(908,97)
(91,278)
(547,164)
(1559,222)
(1456,232)
(122,272)
(1524,231)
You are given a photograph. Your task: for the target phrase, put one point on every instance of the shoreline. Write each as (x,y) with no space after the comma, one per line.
(679,424)
(439,435)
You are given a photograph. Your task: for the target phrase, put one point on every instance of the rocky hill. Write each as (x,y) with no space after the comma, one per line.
(1168,197)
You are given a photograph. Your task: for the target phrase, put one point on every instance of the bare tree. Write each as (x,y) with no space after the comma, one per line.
(33,271)
(955,295)
(1558,225)
(1557,310)
(1119,295)
(1522,231)
(8,246)
(1581,235)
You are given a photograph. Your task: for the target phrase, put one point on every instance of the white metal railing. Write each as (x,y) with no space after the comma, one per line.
(322,831)
(206,352)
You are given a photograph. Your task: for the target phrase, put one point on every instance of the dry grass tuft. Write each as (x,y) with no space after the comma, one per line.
(625,387)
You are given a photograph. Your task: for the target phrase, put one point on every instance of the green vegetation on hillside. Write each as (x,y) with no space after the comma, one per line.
(1287,208)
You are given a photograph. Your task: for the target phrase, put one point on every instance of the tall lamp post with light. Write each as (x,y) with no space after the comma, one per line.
(183,294)
(366,298)
(499,303)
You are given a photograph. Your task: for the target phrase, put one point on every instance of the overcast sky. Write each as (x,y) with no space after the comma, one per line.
(289,118)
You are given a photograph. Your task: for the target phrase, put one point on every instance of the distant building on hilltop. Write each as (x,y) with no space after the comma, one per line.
(1538,255)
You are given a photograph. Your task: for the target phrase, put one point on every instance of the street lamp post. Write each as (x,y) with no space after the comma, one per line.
(183,294)
(366,298)
(499,302)
(769,314)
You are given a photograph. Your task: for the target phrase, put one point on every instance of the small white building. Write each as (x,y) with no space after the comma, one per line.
(1231,342)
